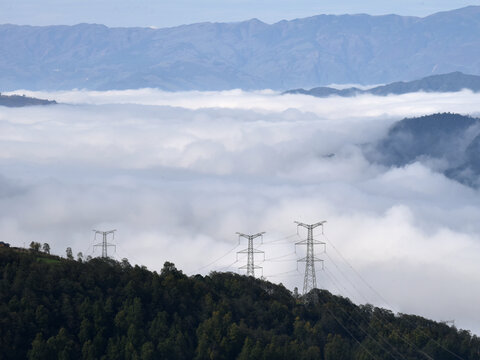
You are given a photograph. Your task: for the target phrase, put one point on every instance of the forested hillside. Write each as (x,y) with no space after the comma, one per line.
(22,100)
(453,140)
(53,308)
(452,82)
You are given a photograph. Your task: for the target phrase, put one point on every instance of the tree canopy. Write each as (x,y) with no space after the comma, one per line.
(103,309)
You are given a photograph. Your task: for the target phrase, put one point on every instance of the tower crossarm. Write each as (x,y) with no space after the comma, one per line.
(246,267)
(104,232)
(246,251)
(313,241)
(310,226)
(304,259)
(250,236)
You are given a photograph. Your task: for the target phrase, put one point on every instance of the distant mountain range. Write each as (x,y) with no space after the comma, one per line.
(451,82)
(22,100)
(301,53)
(449,142)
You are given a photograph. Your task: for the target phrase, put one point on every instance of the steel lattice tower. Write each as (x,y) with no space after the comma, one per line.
(310,279)
(250,251)
(104,244)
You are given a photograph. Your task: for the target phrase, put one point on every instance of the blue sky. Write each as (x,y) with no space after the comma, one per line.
(162,13)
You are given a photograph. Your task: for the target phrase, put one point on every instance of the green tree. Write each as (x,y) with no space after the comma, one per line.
(246,350)
(39,349)
(62,346)
(102,309)
(148,351)
(337,348)
(46,248)
(88,351)
(35,246)
(41,317)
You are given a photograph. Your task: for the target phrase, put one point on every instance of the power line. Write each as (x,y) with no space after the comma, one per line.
(356,272)
(280,239)
(390,306)
(346,278)
(284,273)
(227,266)
(271,242)
(348,331)
(218,259)
(381,338)
(280,257)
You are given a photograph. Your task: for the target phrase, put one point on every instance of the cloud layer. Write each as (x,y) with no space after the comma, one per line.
(177,174)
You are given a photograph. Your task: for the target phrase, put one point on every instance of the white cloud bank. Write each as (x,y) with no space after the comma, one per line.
(179,173)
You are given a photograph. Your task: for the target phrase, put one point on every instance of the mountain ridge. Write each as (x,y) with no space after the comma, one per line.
(323,49)
(22,100)
(451,82)
(451,139)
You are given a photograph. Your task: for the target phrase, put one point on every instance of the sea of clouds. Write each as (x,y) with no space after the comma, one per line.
(178,174)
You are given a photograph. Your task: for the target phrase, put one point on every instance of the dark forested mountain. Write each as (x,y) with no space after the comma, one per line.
(53,308)
(451,139)
(451,82)
(308,52)
(20,101)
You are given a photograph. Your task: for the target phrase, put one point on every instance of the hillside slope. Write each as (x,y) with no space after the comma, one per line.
(303,53)
(452,82)
(452,141)
(55,308)
(21,101)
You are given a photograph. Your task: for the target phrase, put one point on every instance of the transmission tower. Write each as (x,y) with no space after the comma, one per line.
(250,251)
(310,279)
(104,244)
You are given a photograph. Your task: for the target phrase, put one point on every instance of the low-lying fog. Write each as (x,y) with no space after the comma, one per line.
(177,174)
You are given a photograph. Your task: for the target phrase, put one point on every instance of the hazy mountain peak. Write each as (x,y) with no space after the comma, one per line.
(469,11)
(451,82)
(255,21)
(453,139)
(308,52)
